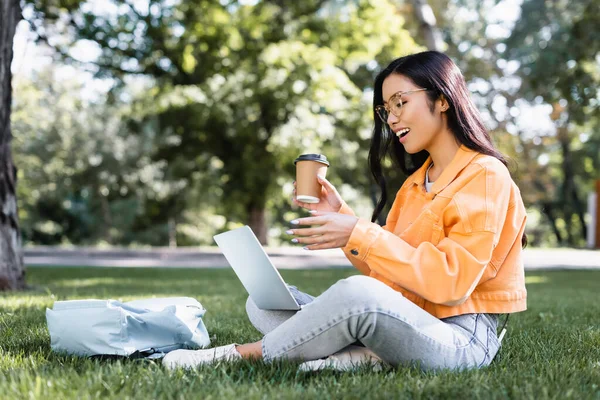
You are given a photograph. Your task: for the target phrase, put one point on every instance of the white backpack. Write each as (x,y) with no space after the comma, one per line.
(141,328)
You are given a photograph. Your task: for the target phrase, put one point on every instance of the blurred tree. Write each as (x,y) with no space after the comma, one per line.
(557,46)
(12,270)
(72,156)
(428,25)
(239,90)
(86,179)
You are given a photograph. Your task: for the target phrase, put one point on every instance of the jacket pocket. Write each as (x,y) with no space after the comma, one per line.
(426,228)
(430,229)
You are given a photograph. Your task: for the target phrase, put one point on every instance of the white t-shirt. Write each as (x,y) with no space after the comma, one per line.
(428,184)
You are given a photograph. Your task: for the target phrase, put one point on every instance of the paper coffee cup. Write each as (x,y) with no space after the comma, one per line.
(308,166)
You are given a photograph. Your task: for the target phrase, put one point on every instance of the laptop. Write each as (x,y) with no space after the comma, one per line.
(255,270)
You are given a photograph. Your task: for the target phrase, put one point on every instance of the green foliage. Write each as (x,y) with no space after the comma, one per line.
(551,351)
(214,99)
(557,45)
(83,177)
(238,91)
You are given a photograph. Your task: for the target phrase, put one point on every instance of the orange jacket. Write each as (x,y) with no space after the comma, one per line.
(454,250)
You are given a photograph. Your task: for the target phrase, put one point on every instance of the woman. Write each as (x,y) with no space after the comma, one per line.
(446,263)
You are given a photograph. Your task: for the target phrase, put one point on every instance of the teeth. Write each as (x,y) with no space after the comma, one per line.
(402,132)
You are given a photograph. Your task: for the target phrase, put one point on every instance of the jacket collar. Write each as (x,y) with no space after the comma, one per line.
(461,159)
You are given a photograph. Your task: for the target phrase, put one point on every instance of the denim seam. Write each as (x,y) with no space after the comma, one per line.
(312,334)
(475,332)
(265,353)
(462,347)
(487,348)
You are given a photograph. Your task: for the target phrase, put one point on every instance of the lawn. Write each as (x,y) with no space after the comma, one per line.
(551,351)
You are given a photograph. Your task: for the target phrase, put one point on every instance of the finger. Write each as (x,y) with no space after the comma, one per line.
(308,206)
(317,213)
(328,186)
(305,231)
(321,214)
(312,240)
(321,246)
(320,220)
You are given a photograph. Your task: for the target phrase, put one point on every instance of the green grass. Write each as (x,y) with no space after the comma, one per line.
(551,351)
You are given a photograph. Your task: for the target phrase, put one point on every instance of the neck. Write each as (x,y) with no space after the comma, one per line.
(443,150)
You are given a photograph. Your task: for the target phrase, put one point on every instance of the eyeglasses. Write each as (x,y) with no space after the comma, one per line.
(394,105)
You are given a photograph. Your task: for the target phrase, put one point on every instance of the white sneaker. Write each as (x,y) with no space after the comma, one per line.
(350,358)
(194,358)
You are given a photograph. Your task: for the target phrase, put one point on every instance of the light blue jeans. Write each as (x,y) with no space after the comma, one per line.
(363,309)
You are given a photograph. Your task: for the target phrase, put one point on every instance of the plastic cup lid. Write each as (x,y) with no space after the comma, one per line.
(312,157)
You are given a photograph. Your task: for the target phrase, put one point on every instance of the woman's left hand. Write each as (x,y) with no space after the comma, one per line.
(334,230)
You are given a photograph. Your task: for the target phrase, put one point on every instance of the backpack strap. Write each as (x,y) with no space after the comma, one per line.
(154,352)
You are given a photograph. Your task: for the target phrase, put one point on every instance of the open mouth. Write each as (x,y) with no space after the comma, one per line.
(402,132)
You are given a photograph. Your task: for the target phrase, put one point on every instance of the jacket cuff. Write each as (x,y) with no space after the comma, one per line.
(346,209)
(362,238)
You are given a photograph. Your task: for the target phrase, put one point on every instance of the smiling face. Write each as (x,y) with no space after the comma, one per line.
(425,127)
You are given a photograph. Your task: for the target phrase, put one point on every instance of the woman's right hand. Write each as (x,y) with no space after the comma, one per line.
(329,201)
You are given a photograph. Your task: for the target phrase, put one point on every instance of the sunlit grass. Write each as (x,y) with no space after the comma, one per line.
(551,351)
(535,279)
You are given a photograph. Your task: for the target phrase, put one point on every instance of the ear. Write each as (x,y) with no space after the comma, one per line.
(444,105)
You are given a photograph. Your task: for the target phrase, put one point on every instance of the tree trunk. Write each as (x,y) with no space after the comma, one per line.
(570,200)
(172,232)
(548,211)
(12,271)
(106,216)
(546,207)
(428,25)
(580,210)
(258,224)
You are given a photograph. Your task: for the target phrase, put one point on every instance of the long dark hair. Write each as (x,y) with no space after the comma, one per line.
(438,73)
